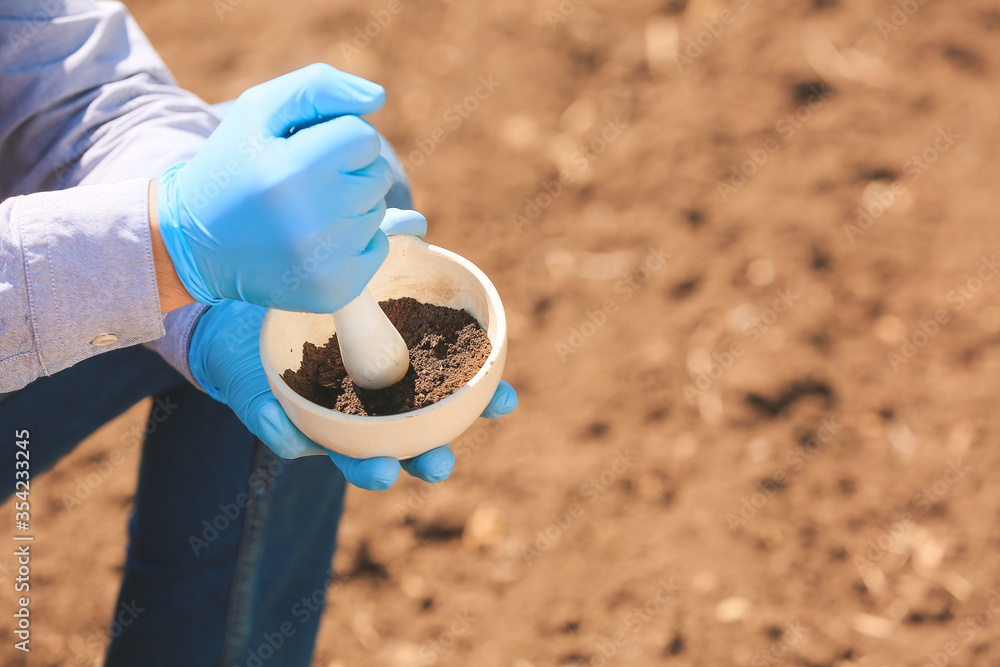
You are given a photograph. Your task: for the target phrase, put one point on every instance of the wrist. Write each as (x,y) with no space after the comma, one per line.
(173,219)
(198,351)
(171,290)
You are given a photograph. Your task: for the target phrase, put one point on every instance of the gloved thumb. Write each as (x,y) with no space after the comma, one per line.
(268,421)
(265,418)
(403,221)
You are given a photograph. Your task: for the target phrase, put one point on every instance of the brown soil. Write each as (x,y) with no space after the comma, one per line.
(825,544)
(447,348)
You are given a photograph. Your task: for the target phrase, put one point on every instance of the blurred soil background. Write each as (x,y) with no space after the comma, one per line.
(754,331)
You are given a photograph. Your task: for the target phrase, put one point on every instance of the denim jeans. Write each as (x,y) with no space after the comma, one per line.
(230,546)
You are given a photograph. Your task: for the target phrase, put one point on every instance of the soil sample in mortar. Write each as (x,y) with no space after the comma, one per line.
(447,348)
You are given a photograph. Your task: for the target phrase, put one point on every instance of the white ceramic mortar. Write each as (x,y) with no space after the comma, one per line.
(429,274)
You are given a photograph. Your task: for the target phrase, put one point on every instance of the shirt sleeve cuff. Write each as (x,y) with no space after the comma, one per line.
(88,264)
(176,344)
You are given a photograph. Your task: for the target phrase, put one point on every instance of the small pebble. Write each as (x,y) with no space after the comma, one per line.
(732,609)
(486,527)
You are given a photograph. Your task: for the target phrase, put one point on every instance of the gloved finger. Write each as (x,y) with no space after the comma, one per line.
(247,393)
(310,94)
(403,221)
(334,285)
(268,422)
(342,144)
(362,190)
(363,229)
(371,474)
(433,466)
(503,402)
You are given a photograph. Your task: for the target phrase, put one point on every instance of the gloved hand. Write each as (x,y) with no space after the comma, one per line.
(269,216)
(225,360)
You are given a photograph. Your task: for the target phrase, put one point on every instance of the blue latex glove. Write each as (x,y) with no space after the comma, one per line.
(277,217)
(225,360)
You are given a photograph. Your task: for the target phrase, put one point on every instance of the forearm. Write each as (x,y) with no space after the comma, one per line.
(88,100)
(75,111)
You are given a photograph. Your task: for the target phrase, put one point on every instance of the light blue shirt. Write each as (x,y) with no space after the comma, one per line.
(88,115)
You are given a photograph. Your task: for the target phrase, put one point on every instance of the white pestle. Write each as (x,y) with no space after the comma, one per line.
(374,353)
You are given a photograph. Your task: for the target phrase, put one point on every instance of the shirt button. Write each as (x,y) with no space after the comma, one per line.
(104,339)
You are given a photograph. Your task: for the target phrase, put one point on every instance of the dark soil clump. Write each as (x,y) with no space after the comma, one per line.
(447,348)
